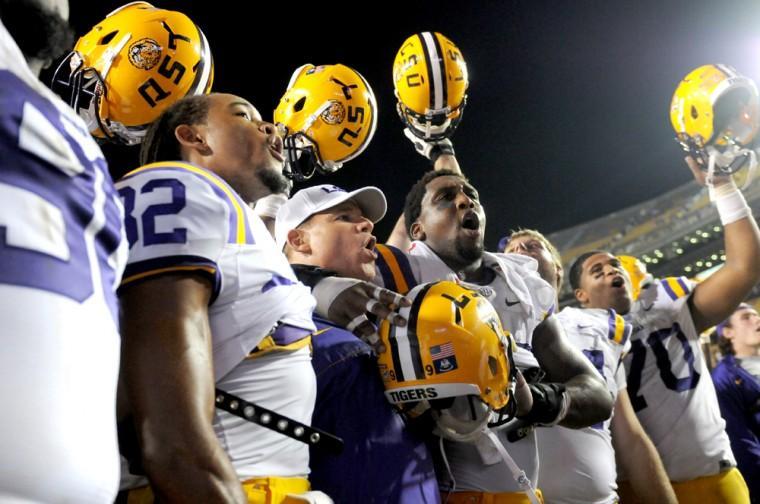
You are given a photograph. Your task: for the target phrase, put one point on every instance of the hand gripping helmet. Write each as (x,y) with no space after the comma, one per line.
(715,112)
(452,358)
(131,66)
(637,272)
(327,116)
(430,81)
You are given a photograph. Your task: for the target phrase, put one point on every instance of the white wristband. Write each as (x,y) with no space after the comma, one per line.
(327,290)
(269,205)
(730,203)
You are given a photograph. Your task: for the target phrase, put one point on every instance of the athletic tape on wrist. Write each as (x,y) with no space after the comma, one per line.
(327,290)
(730,203)
(269,205)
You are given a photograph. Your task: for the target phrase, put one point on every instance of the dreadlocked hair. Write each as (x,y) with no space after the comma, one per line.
(160,144)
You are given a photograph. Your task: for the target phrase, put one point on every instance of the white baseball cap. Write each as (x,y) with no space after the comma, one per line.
(311,200)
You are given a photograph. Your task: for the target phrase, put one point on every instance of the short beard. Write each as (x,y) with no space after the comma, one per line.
(275,181)
(471,254)
(41,34)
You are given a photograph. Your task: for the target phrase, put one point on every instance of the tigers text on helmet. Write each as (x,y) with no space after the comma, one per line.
(715,113)
(131,66)
(452,348)
(430,80)
(327,116)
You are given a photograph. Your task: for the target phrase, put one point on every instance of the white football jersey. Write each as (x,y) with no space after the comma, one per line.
(62,255)
(180,217)
(523,300)
(670,386)
(603,336)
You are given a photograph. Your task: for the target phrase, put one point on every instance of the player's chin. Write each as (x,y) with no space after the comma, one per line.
(365,271)
(369,272)
(622,301)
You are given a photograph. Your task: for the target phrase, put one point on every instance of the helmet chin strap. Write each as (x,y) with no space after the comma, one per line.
(518,474)
(450,427)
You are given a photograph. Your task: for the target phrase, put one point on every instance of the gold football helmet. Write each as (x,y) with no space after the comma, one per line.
(430,81)
(452,347)
(327,116)
(131,66)
(637,272)
(715,113)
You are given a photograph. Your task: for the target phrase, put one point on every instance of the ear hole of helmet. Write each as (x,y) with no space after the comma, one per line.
(108,37)
(298,106)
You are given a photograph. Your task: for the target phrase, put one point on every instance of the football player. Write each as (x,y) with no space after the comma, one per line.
(668,382)
(208,298)
(444,218)
(578,465)
(61,258)
(737,383)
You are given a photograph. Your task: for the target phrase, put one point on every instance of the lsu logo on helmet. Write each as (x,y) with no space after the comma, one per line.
(715,113)
(327,117)
(131,66)
(452,347)
(430,81)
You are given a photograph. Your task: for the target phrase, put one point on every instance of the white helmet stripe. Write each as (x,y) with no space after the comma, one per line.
(206,66)
(401,337)
(435,68)
(730,72)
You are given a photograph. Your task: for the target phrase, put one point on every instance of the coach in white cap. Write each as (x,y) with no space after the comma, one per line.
(326,231)
(328,227)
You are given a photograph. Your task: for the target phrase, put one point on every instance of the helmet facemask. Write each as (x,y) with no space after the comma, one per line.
(302,159)
(85,90)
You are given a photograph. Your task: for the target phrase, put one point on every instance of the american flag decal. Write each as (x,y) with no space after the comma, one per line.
(442,351)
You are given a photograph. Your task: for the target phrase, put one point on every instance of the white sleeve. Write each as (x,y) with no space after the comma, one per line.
(178,220)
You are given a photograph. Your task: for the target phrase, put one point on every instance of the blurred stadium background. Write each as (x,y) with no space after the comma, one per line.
(675,234)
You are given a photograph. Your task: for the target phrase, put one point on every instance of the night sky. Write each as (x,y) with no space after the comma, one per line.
(567,116)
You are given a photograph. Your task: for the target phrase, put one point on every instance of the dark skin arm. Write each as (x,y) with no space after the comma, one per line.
(167,372)
(718,296)
(590,401)
(636,453)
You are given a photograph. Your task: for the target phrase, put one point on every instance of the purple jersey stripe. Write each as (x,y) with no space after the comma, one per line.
(669,290)
(683,284)
(611,324)
(149,267)
(404,266)
(385,272)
